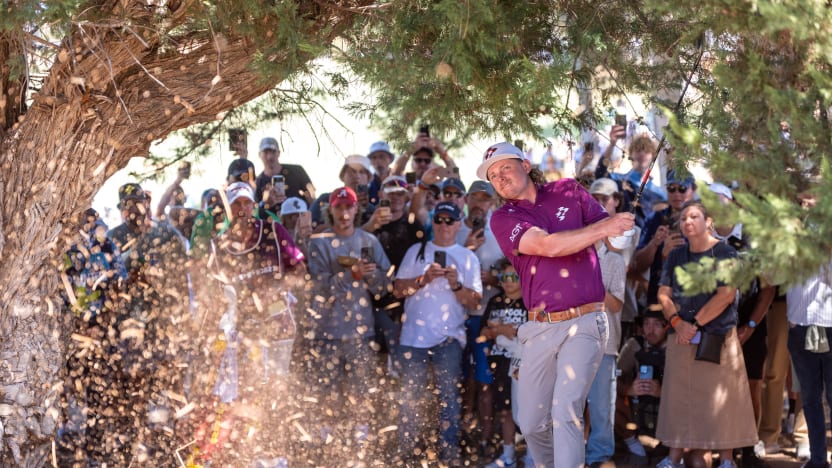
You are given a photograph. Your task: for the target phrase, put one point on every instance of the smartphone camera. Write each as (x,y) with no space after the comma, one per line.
(367,254)
(425,130)
(236,137)
(440,258)
(279,183)
(645,372)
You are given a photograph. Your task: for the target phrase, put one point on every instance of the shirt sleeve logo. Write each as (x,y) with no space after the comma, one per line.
(561,214)
(515,232)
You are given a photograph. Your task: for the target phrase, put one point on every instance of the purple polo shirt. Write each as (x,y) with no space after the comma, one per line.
(555,282)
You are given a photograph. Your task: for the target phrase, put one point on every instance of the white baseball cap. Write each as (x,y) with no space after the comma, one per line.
(357,161)
(292,205)
(721,189)
(239,190)
(498,152)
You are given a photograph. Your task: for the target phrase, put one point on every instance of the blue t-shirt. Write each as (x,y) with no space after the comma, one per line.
(689,305)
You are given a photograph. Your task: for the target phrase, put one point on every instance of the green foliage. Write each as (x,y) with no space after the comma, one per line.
(756,111)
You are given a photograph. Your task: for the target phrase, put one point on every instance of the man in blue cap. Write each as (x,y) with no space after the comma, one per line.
(661,232)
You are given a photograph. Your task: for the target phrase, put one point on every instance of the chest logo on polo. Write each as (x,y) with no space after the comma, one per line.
(561,214)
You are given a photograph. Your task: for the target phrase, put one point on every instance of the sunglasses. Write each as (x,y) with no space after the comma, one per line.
(677,188)
(508,277)
(451,194)
(443,220)
(396,183)
(421,160)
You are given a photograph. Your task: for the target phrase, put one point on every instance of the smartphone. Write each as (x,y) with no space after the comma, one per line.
(696,338)
(446,173)
(621,120)
(384,203)
(589,147)
(279,183)
(410,177)
(455,170)
(440,258)
(425,130)
(367,254)
(476,224)
(645,372)
(236,137)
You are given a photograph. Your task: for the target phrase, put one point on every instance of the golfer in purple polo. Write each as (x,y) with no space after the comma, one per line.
(547,231)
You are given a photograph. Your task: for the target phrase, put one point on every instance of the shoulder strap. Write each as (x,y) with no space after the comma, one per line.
(421,255)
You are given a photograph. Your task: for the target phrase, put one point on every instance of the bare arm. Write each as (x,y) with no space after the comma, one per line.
(400,164)
(643,258)
(612,303)
(716,305)
(166,197)
(538,242)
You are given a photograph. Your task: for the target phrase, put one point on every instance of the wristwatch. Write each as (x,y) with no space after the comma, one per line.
(458,286)
(752,324)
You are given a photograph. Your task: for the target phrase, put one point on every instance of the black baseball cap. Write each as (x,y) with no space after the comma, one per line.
(241,166)
(131,191)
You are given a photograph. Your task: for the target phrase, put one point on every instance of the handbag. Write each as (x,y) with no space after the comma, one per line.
(710,347)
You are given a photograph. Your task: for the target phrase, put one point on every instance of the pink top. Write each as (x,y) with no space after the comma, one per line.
(557,283)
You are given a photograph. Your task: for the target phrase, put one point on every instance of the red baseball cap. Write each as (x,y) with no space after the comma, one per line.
(341,196)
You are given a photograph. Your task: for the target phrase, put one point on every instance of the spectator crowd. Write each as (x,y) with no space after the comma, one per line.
(378,322)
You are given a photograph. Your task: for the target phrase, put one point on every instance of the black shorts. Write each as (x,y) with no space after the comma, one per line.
(502,382)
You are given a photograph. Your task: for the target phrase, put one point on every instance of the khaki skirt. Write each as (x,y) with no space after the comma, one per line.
(706,405)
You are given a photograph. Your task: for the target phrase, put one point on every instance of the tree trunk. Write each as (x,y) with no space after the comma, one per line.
(108,96)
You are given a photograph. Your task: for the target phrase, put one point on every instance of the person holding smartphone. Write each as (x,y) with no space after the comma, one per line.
(296,181)
(439,281)
(421,155)
(548,232)
(639,388)
(340,364)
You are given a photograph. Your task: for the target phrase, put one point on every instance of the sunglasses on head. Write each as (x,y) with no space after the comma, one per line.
(508,277)
(451,194)
(421,160)
(396,183)
(677,188)
(443,220)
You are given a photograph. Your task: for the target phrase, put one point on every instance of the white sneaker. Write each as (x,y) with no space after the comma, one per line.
(760,449)
(803,452)
(501,462)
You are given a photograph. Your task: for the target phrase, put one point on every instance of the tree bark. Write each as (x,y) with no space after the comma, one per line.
(111,92)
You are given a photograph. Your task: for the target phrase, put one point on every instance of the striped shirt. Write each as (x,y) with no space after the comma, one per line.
(810,303)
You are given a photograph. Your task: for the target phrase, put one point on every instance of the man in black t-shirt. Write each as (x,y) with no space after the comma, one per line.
(296,180)
(395,236)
